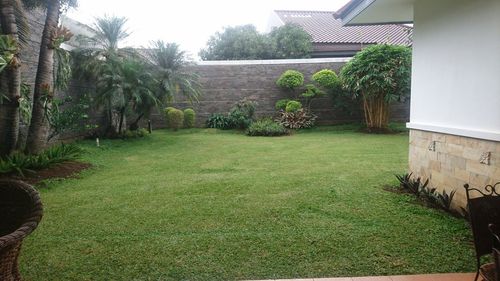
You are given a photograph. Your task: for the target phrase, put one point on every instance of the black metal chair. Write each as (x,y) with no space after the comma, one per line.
(484,209)
(495,232)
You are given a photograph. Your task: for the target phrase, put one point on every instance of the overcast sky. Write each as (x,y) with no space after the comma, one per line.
(190,22)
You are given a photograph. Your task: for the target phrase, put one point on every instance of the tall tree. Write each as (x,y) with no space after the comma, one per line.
(10,76)
(44,84)
(290,41)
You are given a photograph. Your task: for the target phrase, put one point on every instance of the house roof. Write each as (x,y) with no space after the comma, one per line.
(362,12)
(325,28)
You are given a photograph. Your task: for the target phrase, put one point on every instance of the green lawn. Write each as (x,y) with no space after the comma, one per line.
(213,205)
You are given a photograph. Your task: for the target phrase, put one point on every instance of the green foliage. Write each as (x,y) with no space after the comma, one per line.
(281,104)
(290,41)
(312,92)
(410,184)
(327,79)
(175,119)
(266,127)
(218,121)
(68,115)
(300,119)
(133,134)
(171,74)
(189,118)
(290,80)
(8,50)
(241,115)
(293,106)
(25,104)
(237,43)
(19,163)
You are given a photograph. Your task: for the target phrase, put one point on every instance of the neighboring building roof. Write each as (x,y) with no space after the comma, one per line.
(362,12)
(325,28)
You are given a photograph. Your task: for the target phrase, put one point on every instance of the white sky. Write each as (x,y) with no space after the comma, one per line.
(190,22)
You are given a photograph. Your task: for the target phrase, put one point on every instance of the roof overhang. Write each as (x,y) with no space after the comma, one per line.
(365,12)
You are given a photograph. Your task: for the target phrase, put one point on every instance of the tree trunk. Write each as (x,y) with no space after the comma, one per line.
(376,111)
(10,85)
(44,85)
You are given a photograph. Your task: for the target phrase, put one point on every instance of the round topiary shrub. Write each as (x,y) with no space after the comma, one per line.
(293,106)
(175,119)
(189,118)
(290,80)
(166,110)
(327,79)
(281,104)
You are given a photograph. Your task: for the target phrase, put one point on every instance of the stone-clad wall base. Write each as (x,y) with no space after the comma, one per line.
(450,161)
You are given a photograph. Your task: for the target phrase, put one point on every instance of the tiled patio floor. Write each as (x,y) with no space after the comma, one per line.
(431,277)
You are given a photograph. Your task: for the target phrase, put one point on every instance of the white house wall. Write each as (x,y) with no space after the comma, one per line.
(456,68)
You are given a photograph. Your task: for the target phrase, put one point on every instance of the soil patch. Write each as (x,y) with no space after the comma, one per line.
(65,170)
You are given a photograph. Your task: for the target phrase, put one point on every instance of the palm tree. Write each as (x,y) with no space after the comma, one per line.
(11,18)
(44,84)
(170,63)
(101,59)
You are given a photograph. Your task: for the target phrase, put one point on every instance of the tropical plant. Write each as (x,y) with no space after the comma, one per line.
(242,114)
(410,184)
(170,67)
(379,75)
(175,119)
(301,119)
(266,127)
(52,38)
(218,121)
(293,106)
(189,118)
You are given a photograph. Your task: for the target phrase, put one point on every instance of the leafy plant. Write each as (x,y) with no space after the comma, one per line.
(290,80)
(19,163)
(242,113)
(281,104)
(327,79)
(267,127)
(218,121)
(293,106)
(379,75)
(410,184)
(132,134)
(8,50)
(300,119)
(189,118)
(175,119)
(312,92)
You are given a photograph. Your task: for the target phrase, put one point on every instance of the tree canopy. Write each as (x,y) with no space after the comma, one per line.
(246,43)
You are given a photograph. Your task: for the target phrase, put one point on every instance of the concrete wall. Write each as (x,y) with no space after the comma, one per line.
(456,89)
(226,82)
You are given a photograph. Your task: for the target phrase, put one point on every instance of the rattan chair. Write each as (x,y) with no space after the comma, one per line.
(484,209)
(20,212)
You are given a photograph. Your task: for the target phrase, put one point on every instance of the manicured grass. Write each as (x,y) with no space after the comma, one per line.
(213,205)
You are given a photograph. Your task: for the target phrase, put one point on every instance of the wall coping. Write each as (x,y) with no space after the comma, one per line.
(267,62)
(477,134)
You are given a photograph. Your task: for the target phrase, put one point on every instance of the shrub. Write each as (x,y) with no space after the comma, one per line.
(312,92)
(241,115)
(300,119)
(166,114)
(266,127)
(281,104)
(327,79)
(189,118)
(218,121)
(290,80)
(175,119)
(132,134)
(20,163)
(293,106)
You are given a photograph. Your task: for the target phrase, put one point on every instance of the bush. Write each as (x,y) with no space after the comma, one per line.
(300,119)
(327,79)
(266,127)
(290,80)
(281,104)
(218,121)
(132,134)
(189,118)
(293,106)
(175,119)
(241,115)
(19,163)
(167,109)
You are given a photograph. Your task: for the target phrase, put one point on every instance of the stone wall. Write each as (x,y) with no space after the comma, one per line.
(450,161)
(225,83)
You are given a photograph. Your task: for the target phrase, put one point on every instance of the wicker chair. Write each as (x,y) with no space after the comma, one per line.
(484,209)
(20,212)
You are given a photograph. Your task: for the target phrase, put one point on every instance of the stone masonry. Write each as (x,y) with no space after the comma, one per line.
(450,161)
